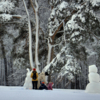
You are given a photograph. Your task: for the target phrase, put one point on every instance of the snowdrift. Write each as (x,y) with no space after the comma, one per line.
(20,93)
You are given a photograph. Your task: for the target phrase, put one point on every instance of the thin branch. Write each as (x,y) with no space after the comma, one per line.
(32,5)
(16,16)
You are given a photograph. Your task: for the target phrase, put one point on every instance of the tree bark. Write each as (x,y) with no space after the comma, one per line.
(5,62)
(77,82)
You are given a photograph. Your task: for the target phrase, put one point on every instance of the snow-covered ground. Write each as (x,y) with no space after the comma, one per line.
(20,93)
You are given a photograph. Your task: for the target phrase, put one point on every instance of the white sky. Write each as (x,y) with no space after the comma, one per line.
(19,93)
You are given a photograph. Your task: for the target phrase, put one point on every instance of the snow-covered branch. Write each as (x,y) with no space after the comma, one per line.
(16,16)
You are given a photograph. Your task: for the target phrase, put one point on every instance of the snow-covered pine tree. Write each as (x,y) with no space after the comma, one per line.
(77,30)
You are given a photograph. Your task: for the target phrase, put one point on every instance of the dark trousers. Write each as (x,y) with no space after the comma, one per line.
(34,83)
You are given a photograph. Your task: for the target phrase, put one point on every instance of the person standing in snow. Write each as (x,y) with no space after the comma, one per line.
(34,76)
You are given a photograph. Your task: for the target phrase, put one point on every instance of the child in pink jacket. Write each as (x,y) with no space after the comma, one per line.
(49,86)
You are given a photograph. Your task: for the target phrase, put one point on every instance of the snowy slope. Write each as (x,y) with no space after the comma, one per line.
(20,93)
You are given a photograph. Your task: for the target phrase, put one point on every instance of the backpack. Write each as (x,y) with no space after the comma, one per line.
(34,75)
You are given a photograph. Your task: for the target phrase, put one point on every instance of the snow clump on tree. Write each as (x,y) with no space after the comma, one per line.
(5,8)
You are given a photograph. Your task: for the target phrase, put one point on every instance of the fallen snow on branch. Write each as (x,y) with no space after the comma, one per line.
(5,17)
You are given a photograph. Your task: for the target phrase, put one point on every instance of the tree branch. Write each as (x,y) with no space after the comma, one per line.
(32,5)
(16,16)
(61,24)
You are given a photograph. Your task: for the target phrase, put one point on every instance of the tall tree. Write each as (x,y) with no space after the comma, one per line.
(7,8)
(36,11)
(30,37)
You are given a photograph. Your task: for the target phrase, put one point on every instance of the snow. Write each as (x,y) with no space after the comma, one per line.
(71,24)
(20,93)
(46,68)
(94,77)
(20,48)
(17,16)
(93,87)
(79,6)
(93,68)
(5,17)
(70,69)
(75,34)
(82,18)
(63,5)
(6,6)
(53,12)
(94,2)
(18,62)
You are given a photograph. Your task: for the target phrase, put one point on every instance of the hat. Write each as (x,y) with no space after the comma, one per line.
(42,82)
(34,69)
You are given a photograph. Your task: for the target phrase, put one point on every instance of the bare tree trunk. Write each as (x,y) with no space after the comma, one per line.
(30,37)
(12,70)
(72,85)
(1,72)
(5,62)
(36,10)
(77,82)
(37,37)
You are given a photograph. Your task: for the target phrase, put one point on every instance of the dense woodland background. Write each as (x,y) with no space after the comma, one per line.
(69,40)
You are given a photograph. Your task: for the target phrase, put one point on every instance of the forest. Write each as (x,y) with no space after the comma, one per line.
(61,37)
